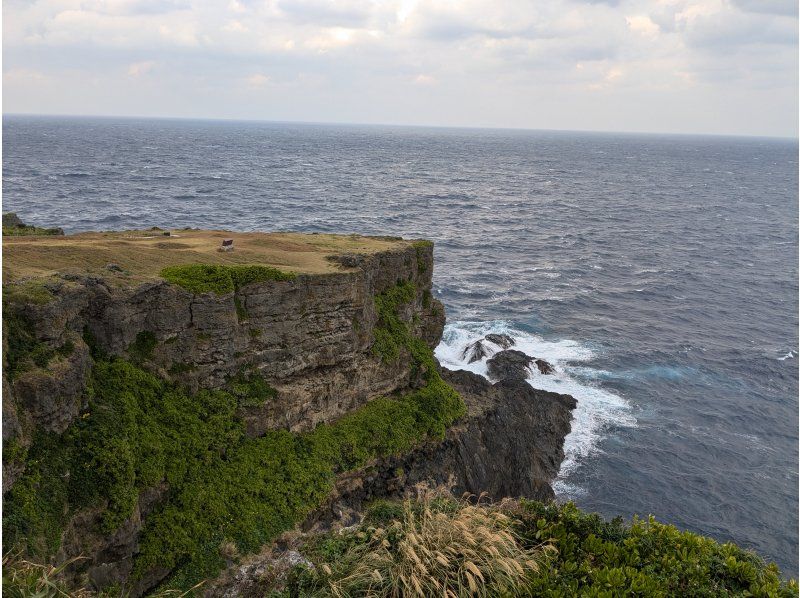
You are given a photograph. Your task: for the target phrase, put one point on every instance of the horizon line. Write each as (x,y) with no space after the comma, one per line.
(795,138)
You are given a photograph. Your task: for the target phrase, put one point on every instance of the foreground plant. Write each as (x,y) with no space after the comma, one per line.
(431,545)
(23,579)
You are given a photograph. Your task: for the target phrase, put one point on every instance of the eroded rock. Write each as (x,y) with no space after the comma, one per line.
(509,365)
(502,340)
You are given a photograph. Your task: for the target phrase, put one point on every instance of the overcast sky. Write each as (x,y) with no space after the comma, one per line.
(684,66)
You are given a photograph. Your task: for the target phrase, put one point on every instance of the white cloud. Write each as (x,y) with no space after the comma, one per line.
(140,68)
(643,25)
(354,59)
(257,81)
(423,79)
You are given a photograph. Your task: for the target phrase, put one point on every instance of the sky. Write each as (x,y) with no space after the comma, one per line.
(672,66)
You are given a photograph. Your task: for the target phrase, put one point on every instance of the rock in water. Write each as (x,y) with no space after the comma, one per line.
(475,352)
(502,340)
(544,366)
(509,365)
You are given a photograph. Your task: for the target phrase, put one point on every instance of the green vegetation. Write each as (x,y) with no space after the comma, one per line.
(224,487)
(24,350)
(142,348)
(181,368)
(420,247)
(219,279)
(21,231)
(536,550)
(33,510)
(34,292)
(392,334)
(241,312)
(250,389)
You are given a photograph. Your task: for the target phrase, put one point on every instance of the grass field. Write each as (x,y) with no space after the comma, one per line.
(143,254)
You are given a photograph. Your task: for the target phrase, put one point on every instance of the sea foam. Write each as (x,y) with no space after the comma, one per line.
(598,410)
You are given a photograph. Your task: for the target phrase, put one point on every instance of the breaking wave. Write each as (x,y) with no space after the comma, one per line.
(598,412)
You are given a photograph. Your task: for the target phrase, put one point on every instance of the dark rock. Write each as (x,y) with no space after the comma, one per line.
(475,352)
(509,365)
(114,267)
(544,367)
(511,443)
(502,340)
(11,219)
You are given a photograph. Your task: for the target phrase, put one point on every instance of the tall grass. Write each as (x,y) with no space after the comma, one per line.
(436,546)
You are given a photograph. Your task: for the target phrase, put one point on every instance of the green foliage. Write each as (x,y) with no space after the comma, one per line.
(579,554)
(181,368)
(392,333)
(241,312)
(24,350)
(24,231)
(420,247)
(34,509)
(598,558)
(250,389)
(33,292)
(221,279)
(142,348)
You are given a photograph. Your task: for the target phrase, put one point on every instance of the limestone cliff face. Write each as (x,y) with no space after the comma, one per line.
(310,338)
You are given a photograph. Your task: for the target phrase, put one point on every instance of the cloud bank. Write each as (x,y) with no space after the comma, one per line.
(692,66)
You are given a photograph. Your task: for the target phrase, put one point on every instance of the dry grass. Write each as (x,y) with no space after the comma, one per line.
(438,547)
(25,579)
(143,254)
(22,579)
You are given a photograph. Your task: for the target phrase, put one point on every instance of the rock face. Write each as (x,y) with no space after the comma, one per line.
(310,338)
(510,444)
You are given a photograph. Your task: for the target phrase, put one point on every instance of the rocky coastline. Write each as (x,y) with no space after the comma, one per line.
(298,351)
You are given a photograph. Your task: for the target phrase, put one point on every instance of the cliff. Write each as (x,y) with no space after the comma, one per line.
(163,399)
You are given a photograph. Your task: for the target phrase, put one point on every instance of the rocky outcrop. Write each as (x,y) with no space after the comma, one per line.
(502,340)
(510,444)
(515,365)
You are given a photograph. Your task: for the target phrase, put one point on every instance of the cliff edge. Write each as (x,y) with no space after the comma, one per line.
(164,398)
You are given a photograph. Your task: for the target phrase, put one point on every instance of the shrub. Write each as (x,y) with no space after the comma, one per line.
(142,348)
(645,558)
(220,279)
(436,548)
(522,548)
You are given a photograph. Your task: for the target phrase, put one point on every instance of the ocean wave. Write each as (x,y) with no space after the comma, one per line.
(598,410)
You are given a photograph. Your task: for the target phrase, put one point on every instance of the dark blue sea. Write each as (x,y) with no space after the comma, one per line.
(657,273)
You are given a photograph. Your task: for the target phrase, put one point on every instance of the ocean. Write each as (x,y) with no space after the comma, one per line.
(657,273)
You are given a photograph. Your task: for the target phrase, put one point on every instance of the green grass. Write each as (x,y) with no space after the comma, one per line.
(219,279)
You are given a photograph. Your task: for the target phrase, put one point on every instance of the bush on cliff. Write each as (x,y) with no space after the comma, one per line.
(219,279)
(544,550)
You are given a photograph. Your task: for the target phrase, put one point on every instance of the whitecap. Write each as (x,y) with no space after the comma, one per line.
(789,355)
(598,410)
